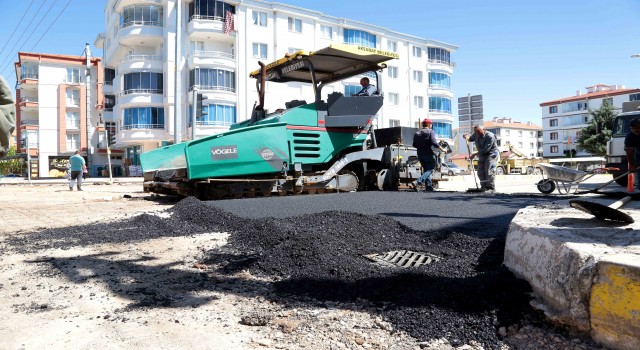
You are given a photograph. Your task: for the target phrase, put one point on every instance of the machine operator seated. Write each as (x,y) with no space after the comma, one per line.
(368,89)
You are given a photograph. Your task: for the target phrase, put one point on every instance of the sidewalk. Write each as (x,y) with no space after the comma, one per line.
(59,181)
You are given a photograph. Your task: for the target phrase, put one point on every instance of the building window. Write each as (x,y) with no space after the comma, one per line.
(608,100)
(73,76)
(634,97)
(554,149)
(209,10)
(143,118)
(418,102)
(109,75)
(440,104)
(73,120)
(553,109)
(141,15)
(73,141)
(417,76)
(73,97)
(217,115)
(507,132)
(350,90)
(359,37)
(532,145)
(575,106)
(520,133)
(143,82)
(109,102)
(417,52)
(553,122)
(326,32)
(575,120)
(392,46)
(553,136)
(259,18)
(393,98)
(531,134)
(520,145)
(213,79)
(295,25)
(392,72)
(29,72)
(293,50)
(443,130)
(260,51)
(394,123)
(437,55)
(439,80)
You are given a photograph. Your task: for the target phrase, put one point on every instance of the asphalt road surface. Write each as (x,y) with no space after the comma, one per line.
(477,215)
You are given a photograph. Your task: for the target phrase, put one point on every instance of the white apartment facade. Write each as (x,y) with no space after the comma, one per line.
(216,56)
(54,117)
(523,136)
(563,119)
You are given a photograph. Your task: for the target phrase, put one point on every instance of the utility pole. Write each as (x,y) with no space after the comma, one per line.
(87,52)
(194,114)
(26,139)
(177,79)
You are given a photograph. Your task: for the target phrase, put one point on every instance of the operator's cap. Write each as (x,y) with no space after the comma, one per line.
(427,121)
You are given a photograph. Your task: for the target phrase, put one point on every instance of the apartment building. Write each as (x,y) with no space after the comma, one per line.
(525,137)
(53,117)
(564,118)
(221,43)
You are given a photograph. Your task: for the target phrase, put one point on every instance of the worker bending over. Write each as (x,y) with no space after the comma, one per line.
(488,153)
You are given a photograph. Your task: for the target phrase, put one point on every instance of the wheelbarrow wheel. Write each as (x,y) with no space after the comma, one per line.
(546,186)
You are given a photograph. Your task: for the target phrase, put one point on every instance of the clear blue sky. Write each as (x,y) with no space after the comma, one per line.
(515,53)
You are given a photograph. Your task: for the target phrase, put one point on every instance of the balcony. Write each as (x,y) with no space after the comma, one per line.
(29,104)
(120,4)
(440,64)
(29,81)
(136,134)
(140,97)
(202,27)
(141,33)
(214,93)
(218,59)
(133,63)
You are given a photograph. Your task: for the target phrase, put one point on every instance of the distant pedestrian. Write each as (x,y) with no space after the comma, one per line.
(632,147)
(425,142)
(78,167)
(488,153)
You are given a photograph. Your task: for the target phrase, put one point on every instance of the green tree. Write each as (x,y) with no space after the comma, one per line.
(10,165)
(595,136)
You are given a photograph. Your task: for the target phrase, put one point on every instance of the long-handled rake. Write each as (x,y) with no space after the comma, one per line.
(473,172)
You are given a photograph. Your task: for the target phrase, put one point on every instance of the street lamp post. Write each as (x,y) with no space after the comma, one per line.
(101,128)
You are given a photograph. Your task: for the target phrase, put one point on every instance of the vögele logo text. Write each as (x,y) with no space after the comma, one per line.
(224,152)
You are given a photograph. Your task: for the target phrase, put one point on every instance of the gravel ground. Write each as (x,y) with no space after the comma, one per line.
(290,274)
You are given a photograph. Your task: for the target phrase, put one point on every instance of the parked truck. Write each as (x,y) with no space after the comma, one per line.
(616,154)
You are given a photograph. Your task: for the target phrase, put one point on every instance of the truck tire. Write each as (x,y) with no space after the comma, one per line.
(621,181)
(546,186)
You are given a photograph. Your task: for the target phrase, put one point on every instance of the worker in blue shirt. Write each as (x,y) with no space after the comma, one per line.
(488,153)
(78,167)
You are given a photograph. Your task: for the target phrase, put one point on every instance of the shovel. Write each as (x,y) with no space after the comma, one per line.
(604,212)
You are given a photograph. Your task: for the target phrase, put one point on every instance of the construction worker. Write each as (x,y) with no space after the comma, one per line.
(488,153)
(632,148)
(7,116)
(368,89)
(425,142)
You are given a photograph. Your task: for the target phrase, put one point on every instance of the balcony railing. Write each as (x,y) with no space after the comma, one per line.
(141,91)
(141,23)
(28,99)
(433,61)
(142,126)
(28,122)
(73,126)
(212,54)
(212,87)
(72,79)
(212,123)
(207,18)
(108,82)
(29,76)
(142,58)
(439,111)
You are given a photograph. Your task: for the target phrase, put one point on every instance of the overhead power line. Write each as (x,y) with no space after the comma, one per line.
(16,28)
(51,25)
(10,56)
